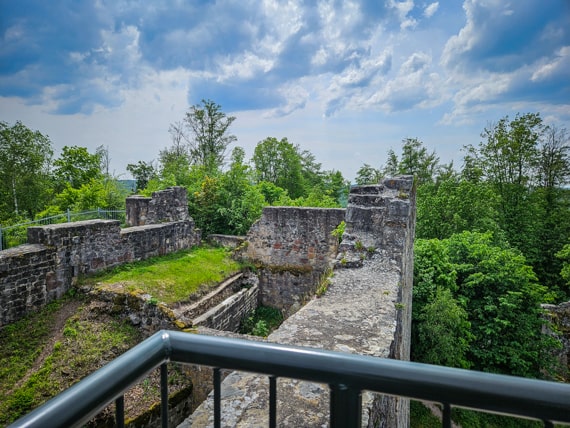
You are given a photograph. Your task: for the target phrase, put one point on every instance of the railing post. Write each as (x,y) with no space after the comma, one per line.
(217,398)
(68,216)
(345,407)
(1,243)
(164,394)
(120,412)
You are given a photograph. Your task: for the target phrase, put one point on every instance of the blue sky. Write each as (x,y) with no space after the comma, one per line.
(347,80)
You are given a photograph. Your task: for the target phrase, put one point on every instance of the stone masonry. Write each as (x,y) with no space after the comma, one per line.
(293,248)
(164,206)
(34,274)
(366,310)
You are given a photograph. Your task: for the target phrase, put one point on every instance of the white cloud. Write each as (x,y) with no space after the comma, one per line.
(403,8)
(431,9)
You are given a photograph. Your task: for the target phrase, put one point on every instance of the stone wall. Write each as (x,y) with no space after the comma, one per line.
(57,255)
(165,206)
(293,247)
(227,315)
(366,310)
(559,316)
(26,277)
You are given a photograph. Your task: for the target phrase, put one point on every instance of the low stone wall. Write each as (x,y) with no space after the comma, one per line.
(165,206)
(227,315)
(26,277)
(33,275)
(292,247)
(230,241)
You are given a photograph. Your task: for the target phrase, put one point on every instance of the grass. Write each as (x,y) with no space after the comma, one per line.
(36,365)
(48,351)
(174,277)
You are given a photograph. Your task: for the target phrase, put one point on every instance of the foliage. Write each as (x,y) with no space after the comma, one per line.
(143,172)
(527,164)
(279,162)
(76,167)
(174,277)
(456,205)
(25,161)
(204,130)
(84,346)
(367,175)
(339,231)
(422,417)
(564,255)
(500,294)
(262,321)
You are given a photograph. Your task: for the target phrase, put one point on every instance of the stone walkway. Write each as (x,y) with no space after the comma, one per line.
(357,314)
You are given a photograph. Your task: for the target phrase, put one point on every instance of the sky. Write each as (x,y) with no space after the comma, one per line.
(346,80)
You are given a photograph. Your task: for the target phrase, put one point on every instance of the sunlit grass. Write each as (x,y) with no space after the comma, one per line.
(173,278)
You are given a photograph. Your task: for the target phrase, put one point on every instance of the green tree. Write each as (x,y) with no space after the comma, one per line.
(501,295)
(528,165)
(25,161)
(279,162)
(142,172)
(456,205)
(366,174)
(415,160)
(76,167)
(206,131)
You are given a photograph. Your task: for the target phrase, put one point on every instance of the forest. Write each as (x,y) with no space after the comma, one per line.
(492,236)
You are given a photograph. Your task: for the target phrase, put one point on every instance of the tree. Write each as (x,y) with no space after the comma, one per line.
(367,175)
(25,160)
(527,164)
(416,161)
(279,162)
(76,167)
(205,129)
(502,299)
(142,172)
(456,205)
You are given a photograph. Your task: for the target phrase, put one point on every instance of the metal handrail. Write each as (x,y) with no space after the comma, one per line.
(537,399)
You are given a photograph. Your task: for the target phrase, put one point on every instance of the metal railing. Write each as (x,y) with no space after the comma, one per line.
(17,234)
(347,375)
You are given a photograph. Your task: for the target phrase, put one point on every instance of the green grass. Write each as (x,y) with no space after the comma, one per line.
(85,344)
(22,342)
(174,277)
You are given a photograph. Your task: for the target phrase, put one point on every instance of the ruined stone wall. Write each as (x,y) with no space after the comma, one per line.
(559,316)
(227,315)
(365,310)
(35,274)
(26,278)
(293,248)
(167,205)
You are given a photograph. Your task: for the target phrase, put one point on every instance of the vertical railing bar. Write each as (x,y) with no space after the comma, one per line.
(164,395)
(446,418)
(120,412)
(217,398)
(272,401)
(345,406)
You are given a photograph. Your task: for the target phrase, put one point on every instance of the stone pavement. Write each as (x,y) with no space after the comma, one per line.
(357,314)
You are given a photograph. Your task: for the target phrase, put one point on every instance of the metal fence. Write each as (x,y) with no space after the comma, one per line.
(346,374)
(12,236)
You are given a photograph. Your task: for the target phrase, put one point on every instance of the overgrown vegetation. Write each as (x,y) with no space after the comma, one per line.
(173,277)
(262,321)
(45,353)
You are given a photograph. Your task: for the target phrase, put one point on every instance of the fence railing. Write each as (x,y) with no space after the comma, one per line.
(11,236)
(346,374)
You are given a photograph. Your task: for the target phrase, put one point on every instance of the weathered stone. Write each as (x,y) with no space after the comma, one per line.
(376,322)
